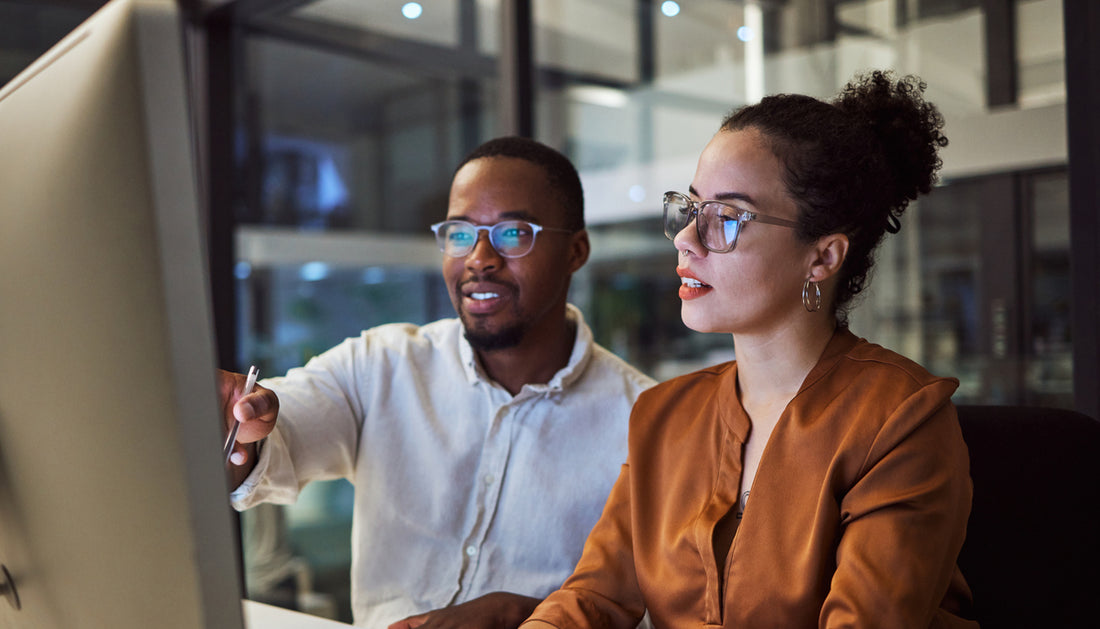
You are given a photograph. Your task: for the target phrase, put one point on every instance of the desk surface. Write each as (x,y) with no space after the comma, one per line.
(261,616)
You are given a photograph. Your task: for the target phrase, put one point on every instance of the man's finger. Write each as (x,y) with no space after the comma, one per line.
(412,622)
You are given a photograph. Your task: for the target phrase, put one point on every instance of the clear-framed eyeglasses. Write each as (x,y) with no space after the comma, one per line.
(511,239)
(717,224)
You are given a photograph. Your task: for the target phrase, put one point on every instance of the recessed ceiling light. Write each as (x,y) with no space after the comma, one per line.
(313,271)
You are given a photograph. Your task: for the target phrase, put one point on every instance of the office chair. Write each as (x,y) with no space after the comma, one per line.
(1032,549)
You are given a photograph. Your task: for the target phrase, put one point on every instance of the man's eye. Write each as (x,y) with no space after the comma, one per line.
(459,237)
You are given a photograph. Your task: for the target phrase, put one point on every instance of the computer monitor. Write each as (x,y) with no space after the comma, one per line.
(113,505)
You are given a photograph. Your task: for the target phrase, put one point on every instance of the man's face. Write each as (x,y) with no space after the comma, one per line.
(503,302)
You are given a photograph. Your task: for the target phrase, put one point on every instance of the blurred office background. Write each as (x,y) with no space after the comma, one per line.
(331,129)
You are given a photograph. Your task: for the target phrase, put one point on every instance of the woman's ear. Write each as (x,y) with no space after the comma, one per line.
(828,256)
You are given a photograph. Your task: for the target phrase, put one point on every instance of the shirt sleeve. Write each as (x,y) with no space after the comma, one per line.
(317,431)
(603,590)
(903,521)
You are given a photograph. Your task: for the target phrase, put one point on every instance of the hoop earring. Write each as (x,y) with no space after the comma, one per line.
(812,303)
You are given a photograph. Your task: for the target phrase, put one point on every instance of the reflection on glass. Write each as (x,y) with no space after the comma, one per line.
(473,24)
(951,311)
(1049,354)
(292,313)
(364,134)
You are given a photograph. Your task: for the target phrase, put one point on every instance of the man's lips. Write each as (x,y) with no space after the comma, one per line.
(691,287)
(483,297)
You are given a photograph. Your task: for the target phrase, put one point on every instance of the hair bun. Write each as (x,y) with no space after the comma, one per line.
(908,129)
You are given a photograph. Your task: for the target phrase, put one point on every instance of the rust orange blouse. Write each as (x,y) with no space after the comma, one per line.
(855,518)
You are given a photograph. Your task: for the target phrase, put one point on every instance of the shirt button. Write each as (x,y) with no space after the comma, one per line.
(489,479)
(471,550)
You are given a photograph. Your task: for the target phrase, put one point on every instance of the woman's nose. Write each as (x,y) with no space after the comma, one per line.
(687,239)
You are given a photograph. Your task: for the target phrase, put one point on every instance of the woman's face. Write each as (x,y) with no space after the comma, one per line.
(757,287)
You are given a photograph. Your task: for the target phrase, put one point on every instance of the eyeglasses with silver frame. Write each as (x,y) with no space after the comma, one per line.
(511,239)
(717,224)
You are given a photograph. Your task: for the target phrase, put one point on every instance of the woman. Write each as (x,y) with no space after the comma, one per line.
(818,480)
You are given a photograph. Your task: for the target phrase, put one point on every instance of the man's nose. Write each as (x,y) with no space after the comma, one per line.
(483,257)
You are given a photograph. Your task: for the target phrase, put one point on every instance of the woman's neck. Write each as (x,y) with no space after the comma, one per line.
(771,368)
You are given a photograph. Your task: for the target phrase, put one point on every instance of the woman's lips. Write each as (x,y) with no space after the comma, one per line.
(691,287)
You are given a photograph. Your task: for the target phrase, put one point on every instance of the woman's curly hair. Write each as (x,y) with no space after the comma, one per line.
(853,164)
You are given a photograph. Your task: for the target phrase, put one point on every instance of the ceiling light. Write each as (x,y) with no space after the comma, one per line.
(598,95)
(313,271)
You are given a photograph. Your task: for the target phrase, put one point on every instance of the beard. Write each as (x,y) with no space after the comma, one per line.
(489,340)
(481,336)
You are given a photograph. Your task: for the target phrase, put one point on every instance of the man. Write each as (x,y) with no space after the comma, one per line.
(466,438)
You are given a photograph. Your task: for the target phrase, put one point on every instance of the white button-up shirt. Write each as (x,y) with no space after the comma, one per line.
(461,489)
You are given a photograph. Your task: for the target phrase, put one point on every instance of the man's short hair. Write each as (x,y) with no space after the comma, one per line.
(560,172)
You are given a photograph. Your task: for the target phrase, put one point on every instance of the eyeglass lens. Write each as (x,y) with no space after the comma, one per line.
(511,239)
(717,231)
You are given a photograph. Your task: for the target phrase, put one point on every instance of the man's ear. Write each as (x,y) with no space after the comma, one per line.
(828,256)
(579,250)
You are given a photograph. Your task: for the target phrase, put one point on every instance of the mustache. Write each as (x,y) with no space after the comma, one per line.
(486,279)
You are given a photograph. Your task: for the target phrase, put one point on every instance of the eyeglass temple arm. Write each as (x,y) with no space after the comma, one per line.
(771,220)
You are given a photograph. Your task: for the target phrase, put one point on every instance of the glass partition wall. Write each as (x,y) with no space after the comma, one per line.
(352,116)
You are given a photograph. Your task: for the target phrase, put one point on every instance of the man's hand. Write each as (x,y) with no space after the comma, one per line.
(256,411)
(498,610)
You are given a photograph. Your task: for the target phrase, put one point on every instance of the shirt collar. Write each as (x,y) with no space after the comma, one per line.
(730,408)
(578,358)
(839,345)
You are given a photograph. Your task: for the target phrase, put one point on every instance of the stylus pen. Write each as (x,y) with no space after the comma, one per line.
(232,438)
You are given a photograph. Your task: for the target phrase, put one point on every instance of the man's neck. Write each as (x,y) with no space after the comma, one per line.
(532,361)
